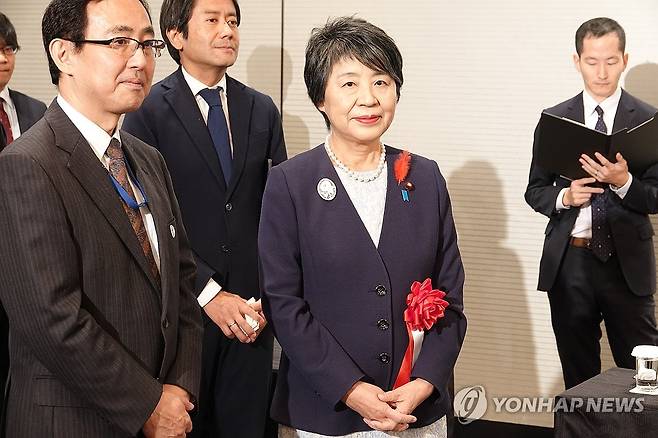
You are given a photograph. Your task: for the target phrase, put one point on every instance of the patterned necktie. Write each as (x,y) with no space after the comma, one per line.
(4,119)
(218,129)
(601,244)
(117,167)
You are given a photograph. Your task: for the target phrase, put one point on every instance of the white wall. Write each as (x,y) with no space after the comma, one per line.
(477,75)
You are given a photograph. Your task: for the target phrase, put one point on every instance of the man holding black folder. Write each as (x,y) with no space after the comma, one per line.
(598,261)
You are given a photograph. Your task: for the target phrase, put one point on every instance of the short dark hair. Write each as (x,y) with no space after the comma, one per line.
(344,38)
(598,27)
(176,14)
(67,19)
(7,32)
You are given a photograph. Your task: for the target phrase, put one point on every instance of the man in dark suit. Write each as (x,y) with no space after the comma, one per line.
(598,261)
(217,137)
(97,271)
(18,113)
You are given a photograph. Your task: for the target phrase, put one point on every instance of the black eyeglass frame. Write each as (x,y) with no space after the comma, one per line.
(153,44)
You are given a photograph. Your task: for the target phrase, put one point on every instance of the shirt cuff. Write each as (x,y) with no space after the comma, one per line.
(558,202)
(209,292)
(621,191)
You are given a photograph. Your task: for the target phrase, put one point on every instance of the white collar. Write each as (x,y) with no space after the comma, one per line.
(196,85)
(96,136)
(608,105)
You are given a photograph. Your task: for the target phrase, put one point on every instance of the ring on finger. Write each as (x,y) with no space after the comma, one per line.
(232,324)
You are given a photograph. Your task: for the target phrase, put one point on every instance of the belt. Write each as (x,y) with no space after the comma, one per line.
(580,242)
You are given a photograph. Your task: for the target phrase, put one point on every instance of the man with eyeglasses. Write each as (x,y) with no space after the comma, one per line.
(18,113)
(97,273)
(219,138)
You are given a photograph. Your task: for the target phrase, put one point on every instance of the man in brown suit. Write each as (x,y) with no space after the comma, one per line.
(105,332)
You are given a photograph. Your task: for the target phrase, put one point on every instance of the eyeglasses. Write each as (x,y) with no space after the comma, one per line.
(9,50)
(127,47)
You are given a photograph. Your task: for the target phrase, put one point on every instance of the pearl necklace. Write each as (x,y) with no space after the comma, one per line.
(355,174)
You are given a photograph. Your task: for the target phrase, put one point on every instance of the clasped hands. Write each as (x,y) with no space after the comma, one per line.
(387,410)
(603,171)
(228,311)
(170,417)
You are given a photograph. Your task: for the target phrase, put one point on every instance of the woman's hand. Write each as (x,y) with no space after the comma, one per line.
(407,397)
(364,398)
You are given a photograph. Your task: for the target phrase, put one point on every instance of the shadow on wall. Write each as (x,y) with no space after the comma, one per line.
(642,82)
(264,62)
(501,351)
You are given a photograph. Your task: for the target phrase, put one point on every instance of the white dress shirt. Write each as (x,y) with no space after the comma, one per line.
(10,109)
(212,288)
(583,225)
(99,140)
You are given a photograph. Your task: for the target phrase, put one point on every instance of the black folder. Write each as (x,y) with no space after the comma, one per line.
(562,141)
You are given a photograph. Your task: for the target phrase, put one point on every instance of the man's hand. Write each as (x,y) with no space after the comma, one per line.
(407,397)
(170,417)
(227,310)
(606,171)
(363,398)
(578,193)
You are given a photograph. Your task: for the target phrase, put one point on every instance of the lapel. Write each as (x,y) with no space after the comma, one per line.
(156,201)
(625,113)
(21,111)
(184,106)
(94,179)
(240,106)
(576,109)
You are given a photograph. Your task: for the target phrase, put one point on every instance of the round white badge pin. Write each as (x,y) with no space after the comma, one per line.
(326,189)
(173,231)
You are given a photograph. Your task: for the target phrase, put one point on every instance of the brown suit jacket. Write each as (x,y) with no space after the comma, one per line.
(92,337)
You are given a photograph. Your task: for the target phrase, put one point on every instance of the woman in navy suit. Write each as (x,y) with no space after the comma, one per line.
(346,228)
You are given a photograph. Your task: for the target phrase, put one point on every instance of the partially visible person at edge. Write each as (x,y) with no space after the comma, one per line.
(345,231)
(598,260)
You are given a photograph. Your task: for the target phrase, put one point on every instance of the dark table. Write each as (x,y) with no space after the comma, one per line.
(603,407)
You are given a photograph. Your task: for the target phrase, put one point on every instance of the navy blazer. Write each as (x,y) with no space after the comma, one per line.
(628,218)
(221,221)
(327,287)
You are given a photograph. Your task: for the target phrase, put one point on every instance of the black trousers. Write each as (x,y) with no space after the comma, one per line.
(586,292)
(235,379)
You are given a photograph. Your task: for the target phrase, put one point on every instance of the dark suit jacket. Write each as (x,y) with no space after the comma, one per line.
(28,109)
(628,218)
(93,337)
(326,286)
(222,222)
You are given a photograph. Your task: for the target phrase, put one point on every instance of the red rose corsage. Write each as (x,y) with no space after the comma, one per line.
(425,306)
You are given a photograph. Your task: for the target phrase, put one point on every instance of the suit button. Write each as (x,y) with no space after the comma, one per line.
(228,207)
(225,249)
(383,324)
(380,290)
(384,358)
(165,323)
